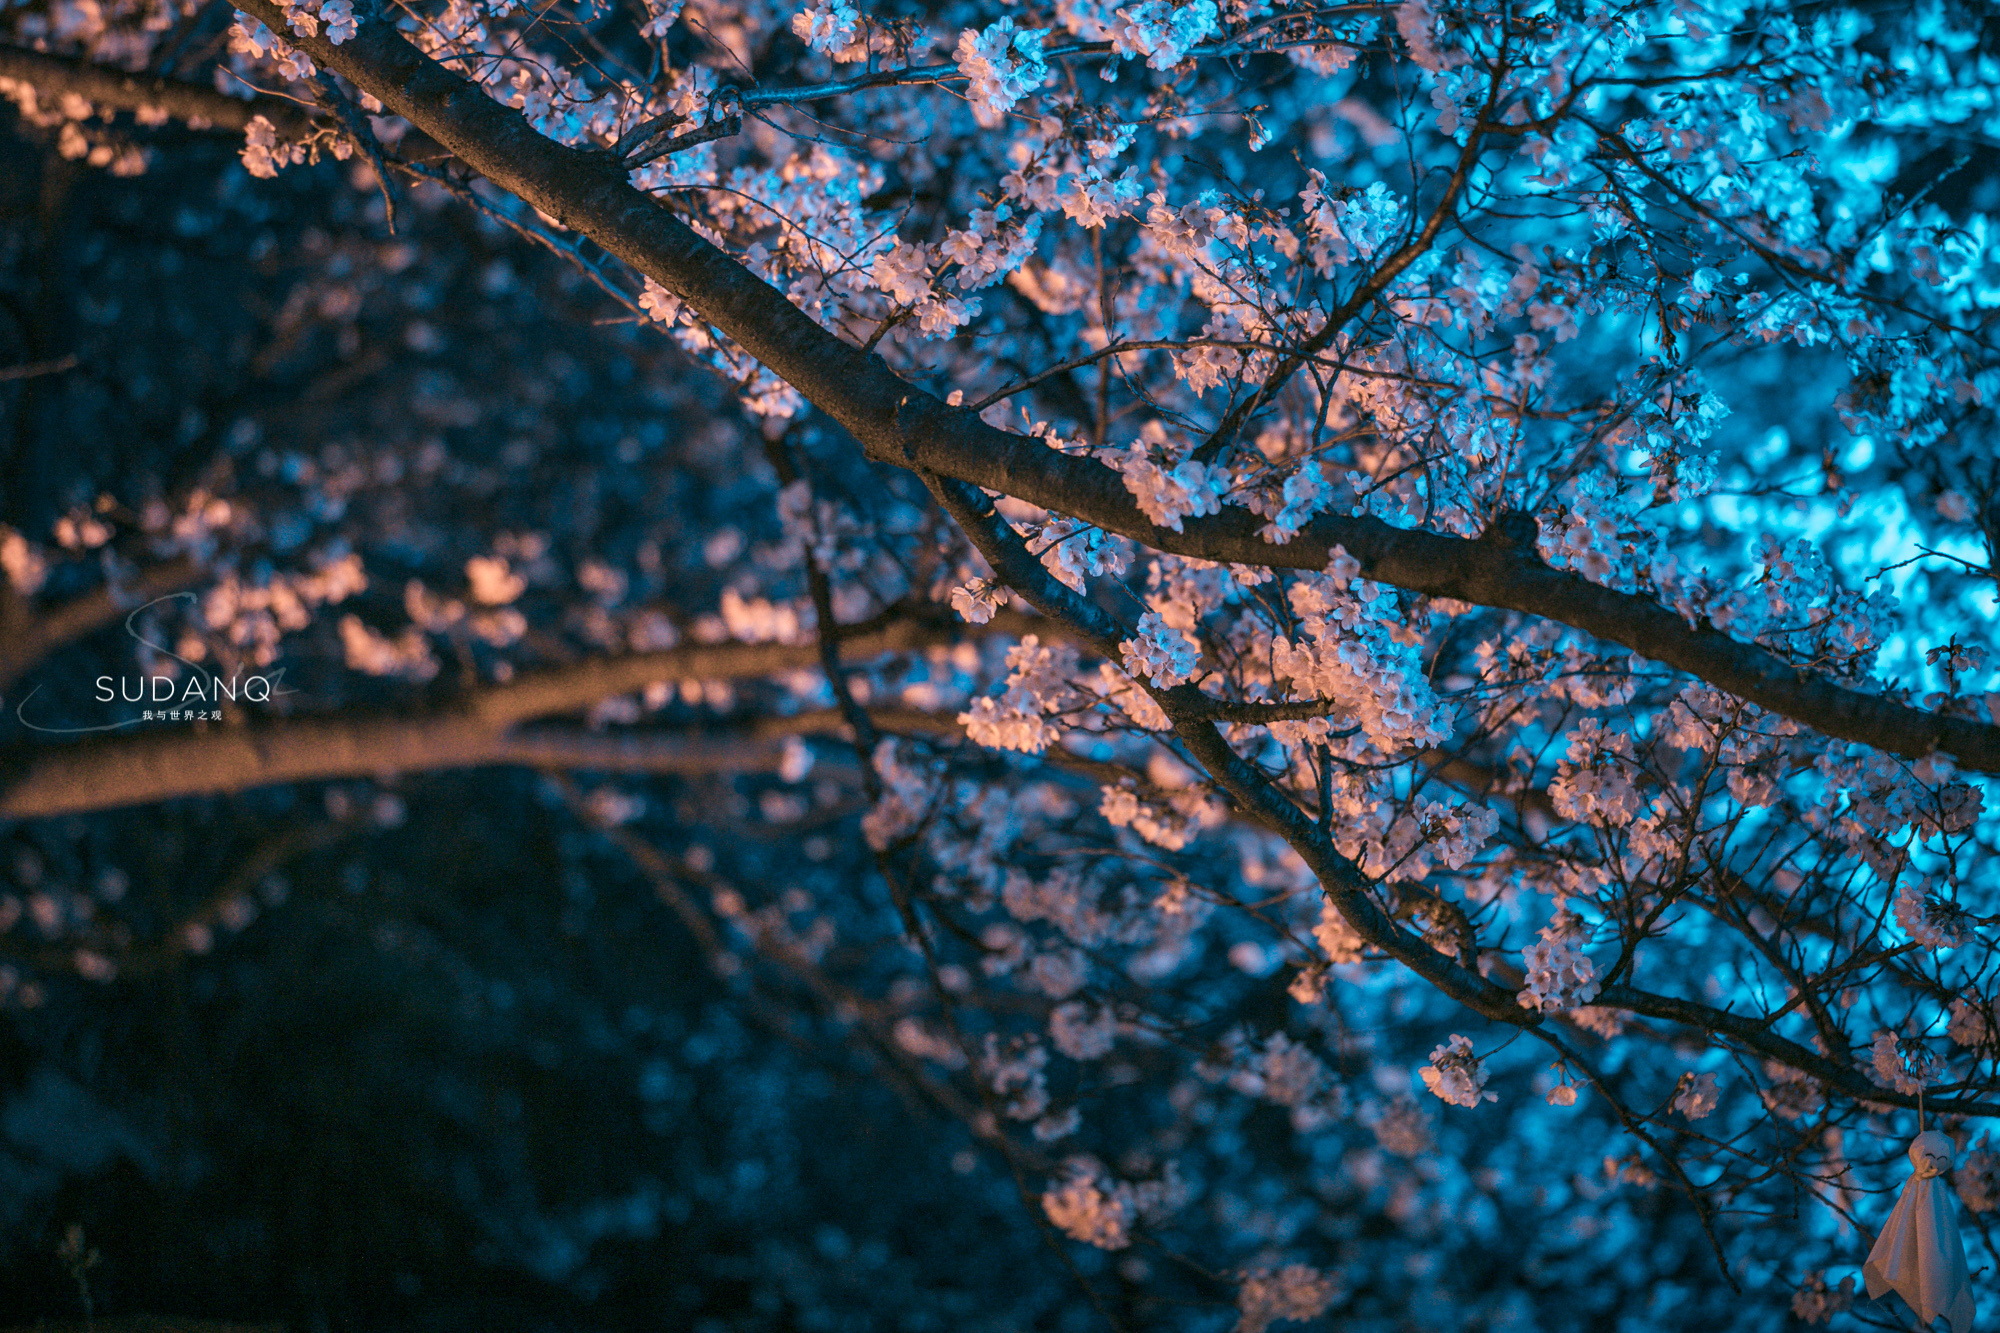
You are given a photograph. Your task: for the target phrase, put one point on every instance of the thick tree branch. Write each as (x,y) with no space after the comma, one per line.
(483,729)
(900,423)
(135,769)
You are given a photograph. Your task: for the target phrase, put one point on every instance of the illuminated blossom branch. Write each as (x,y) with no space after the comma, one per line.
(900,423)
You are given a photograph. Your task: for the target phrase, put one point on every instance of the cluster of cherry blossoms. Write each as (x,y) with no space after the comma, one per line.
(1001,66)
(1456,1075)
(1296,1292)
(1559,975)
(1088,1205)
(1350,655)
(1038,684)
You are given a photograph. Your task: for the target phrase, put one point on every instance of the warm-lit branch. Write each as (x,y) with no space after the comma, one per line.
(135,768)
(104,87)
(28,635)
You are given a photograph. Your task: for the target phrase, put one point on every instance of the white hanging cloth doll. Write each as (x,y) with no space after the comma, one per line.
(1919,1255)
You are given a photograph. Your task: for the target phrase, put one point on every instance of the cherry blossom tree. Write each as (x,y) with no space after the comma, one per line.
(1277,539)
